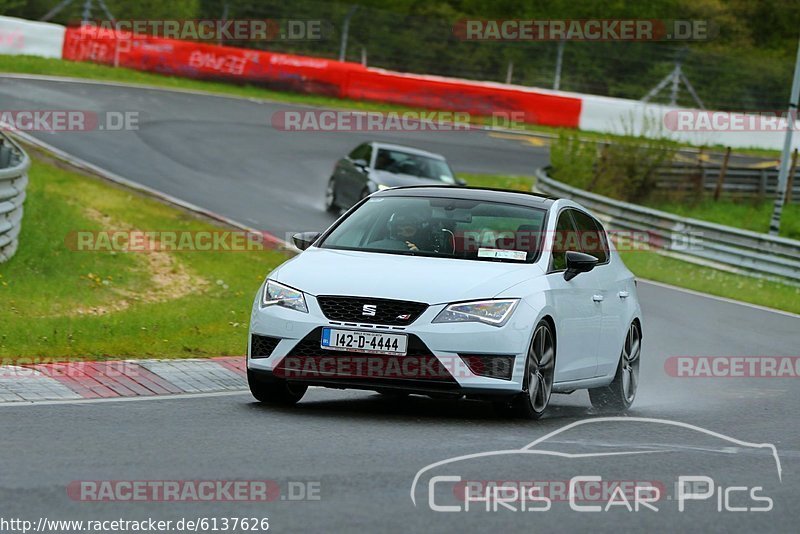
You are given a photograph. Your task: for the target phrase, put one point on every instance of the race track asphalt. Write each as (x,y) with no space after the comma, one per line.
(362,449)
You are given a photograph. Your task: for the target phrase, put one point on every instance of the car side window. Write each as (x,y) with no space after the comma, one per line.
(603,240)
(565,238)
(590,239)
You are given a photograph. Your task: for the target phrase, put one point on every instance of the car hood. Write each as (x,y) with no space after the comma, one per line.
(321,271)
(391,179)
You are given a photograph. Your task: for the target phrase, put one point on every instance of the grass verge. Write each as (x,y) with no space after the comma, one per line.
(92,71)
(747,215)
(59,303)
(659,268)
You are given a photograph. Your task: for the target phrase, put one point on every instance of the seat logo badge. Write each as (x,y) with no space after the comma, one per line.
(404,317)
(369,310)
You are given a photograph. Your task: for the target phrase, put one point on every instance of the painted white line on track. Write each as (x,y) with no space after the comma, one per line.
(715,297)
(126,399)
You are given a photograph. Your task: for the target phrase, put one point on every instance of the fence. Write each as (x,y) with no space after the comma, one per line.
(14,164)
(701,242)
(738,182)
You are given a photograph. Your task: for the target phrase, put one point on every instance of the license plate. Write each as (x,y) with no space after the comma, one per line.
(369,342)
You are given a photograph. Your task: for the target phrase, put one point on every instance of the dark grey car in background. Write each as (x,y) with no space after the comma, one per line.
(374,166)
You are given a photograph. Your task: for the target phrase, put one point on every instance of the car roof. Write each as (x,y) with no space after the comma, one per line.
(470,193)
(408,149)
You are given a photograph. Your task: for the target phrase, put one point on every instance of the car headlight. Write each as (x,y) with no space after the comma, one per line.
(492,312)
(276,294)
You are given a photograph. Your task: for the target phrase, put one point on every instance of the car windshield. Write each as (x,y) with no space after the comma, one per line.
(442,227)
(398,162)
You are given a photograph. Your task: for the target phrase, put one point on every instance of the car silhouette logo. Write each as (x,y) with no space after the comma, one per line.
(369,310)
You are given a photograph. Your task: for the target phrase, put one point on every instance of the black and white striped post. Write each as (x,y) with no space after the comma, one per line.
(783,174)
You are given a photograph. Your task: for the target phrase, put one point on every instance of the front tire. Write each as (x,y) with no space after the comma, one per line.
(621,392)
(537,386)
(275,391)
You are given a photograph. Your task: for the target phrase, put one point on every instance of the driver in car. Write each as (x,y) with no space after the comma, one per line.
(405,233)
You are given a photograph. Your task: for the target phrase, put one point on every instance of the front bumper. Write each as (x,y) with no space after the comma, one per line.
(469,358)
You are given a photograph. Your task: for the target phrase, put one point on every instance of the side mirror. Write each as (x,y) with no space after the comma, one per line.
(361,164)
(461,182)
(578,262)
(303,240)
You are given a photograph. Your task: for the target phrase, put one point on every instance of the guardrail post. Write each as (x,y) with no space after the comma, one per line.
(790,178)
(698,178)
(762,185)
(722,172)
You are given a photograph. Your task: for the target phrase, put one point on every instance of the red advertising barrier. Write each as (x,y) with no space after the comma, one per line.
(316,75)
(198,60)
(477,98)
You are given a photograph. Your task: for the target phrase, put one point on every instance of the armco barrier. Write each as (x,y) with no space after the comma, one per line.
(698,241)
(318,76)
(14,164)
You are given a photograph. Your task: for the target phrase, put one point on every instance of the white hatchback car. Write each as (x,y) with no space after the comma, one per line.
(497,295)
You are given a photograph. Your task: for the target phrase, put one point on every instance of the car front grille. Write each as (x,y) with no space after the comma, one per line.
(371,310)
(418,369)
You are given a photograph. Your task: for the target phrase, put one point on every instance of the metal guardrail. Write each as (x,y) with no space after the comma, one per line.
(697,241)
(14,164)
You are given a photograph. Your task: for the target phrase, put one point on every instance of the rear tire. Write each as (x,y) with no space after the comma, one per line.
(275,391)
(621,392)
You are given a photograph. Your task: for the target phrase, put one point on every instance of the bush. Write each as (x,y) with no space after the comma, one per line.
(625,169)
(573,160)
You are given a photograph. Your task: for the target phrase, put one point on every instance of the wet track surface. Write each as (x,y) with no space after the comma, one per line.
(362,449)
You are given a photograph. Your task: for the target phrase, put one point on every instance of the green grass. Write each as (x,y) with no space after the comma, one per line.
(659,268)
(748,215)
(79,69)
(171,305)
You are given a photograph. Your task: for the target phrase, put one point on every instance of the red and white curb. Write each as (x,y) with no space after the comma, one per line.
(123,378)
